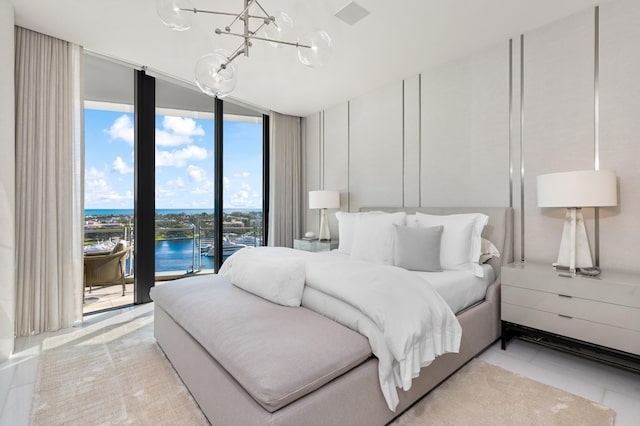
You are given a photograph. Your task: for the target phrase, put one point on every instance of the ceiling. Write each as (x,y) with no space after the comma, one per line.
(113,83)
(390,44)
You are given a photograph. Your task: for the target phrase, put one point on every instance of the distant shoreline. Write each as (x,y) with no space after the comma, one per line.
(129,212)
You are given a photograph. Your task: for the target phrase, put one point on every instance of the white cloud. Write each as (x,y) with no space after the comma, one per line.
(243,174)
(121,167)
(196,174)
(122,129)
(182,126)
(92,174)
(164,138)
(180,158)
(163,193)
(177,183)
(226,182)
(245,200)
(99,192)
(177,131)
(206,187)
(246,187)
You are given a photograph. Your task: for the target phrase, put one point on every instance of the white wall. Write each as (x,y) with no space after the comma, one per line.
(620,130)
(7,180)
(452,135)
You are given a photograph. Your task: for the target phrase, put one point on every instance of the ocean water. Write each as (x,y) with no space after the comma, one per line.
(129,212)
(180,255)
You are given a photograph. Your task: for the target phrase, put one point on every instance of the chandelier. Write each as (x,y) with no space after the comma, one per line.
(215,72)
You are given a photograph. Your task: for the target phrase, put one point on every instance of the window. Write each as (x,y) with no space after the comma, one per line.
(184,174)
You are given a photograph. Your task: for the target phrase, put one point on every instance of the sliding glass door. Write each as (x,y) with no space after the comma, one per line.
(185,177)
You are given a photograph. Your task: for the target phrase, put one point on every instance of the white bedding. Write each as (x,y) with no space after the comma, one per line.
(406,321)
(460,289)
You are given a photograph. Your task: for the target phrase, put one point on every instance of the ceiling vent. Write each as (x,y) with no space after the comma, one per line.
(352,13)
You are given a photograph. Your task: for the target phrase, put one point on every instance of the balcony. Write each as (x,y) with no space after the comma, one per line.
(181,251)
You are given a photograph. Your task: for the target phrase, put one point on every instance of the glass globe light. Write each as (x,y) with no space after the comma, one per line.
(319,50)
(213,77)
(280,30)
(173,14)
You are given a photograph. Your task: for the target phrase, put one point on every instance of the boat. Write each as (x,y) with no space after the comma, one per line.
(228,248)
(248,240)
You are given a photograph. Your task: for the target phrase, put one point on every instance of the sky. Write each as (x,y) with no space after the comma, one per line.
(184,162)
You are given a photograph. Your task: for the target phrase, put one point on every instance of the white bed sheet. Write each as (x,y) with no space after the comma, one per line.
(460,289)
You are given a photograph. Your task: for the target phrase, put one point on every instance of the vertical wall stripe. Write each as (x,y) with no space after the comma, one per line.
(596,123)
(420,140)
(404,174)
(348,156)
(322,151)
(522,257)
(596,90)
(510,122)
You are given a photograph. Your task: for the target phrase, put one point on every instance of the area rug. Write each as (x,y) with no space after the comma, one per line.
(113,372)
(483,394)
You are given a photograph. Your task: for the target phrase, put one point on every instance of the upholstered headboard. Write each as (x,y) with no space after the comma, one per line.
(499,229)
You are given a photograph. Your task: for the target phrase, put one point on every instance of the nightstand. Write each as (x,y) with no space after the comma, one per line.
(599,315)
(315,245)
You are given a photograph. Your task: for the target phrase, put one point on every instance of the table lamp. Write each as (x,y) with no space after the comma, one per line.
(574,190)
(324,200)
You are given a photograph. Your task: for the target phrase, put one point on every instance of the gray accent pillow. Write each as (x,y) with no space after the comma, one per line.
(418,249)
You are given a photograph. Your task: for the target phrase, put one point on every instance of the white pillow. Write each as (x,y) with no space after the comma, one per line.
(411,221)
(461,237)
(487,251)
(346,229)
(373,237)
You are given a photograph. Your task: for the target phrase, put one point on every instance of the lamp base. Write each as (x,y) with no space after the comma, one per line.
(574,245)
(324,226)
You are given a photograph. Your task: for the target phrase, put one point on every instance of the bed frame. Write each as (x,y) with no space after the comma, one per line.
(355,397)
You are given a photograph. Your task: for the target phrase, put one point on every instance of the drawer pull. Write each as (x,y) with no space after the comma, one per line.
(563,275)
(565,295)
(565,316)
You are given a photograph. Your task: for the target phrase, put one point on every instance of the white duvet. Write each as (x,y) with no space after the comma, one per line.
(406,321)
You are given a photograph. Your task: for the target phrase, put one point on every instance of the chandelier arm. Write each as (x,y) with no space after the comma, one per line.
(213,12)
(239,50)
(194,10)
(262,8)
(288,43)
(252,33)
(244,11)
(255,37)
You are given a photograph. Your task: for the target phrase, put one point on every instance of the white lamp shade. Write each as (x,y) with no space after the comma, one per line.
(324,199)
(583,188)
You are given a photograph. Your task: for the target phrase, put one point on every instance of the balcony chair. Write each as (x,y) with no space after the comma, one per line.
(106,269)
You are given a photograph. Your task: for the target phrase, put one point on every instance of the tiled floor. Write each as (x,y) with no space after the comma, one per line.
(610,386)
(107,297)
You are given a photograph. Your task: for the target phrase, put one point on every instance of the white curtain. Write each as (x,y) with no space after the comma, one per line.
(49,178)
(284,176)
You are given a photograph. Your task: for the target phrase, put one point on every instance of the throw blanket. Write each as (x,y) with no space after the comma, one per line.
(405,319)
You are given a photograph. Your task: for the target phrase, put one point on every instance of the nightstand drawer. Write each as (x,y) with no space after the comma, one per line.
(600,334)
(602,289)
(603,313)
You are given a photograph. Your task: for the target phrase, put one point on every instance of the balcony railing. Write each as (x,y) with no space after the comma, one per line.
(180,250)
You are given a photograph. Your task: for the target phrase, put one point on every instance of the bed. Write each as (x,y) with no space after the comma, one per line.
(205,337)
